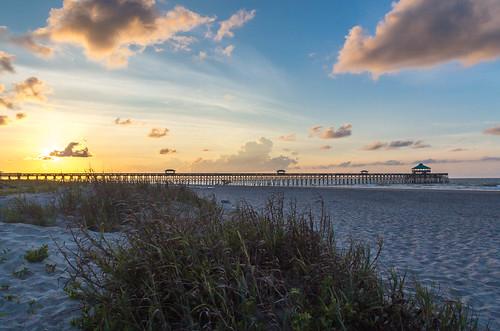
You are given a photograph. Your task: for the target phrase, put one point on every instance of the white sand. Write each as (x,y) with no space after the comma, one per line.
(51,308)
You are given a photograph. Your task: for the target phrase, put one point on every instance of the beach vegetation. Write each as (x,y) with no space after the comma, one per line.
(24,186)
(22,273)
(37,254)
(50,268)
(275,269)
(24,210)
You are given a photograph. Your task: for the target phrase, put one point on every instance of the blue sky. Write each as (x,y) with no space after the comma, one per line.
(278,81)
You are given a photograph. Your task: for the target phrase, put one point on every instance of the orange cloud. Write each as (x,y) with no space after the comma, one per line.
(344,130)
(158,133)
(165,151)
(424,33)
(112,31)
(493,131)
(288,137)
(4,120)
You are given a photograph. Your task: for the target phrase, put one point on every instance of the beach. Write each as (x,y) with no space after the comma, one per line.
(449,238)
(445,238)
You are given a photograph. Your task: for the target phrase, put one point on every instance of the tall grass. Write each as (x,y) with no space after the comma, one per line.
(23,210)
(272,270)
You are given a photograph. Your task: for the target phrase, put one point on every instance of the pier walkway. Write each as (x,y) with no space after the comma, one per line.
(240,179)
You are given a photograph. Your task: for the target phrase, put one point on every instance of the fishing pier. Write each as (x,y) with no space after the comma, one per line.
(240,179)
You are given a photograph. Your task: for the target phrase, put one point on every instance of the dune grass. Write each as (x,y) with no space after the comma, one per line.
(191,268)
(24,210)
(24,186)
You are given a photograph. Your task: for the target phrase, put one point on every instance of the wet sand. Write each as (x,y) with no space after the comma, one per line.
(451,238)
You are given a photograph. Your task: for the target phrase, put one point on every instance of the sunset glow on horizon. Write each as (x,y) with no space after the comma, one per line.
(197,86)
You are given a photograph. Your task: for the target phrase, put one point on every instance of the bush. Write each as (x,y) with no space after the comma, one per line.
(23,210)
(108,206)
(37,255)
(271,270)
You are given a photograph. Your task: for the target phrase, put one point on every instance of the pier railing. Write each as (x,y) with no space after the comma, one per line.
(240,179)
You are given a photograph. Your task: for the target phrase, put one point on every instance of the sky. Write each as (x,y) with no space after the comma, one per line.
(227,85)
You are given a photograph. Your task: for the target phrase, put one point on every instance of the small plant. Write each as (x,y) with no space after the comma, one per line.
(50,268)
(3,254)
(33,305)
(73,290)
(37,255)
(10,297)
(22,273)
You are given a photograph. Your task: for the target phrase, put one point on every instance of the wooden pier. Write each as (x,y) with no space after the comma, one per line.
(241,179)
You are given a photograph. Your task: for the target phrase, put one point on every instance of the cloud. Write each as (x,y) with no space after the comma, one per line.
(158,133)
(253,156)
(228,51)
(422,34)
(165,151)
(4,120)
(70,151)
(325,147)
(205,150)
(28,42)
(420,144)
(111,31)
(2,88)
(6,62)
(32,89)
(377,145)
(202,56)
(374,146)
(20,116)
(119,121)
(344,130)
(459,150)
(288,137)
(495,131)
(235,21)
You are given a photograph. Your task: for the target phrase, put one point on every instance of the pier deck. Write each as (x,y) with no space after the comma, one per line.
(240,179)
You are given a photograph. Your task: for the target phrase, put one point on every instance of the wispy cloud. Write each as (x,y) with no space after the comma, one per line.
(288,137)
(344,130)
(493,131)
(6,60)
(158,133)
(424,33)
(235,21)
(325,147)
(395,144)
(70,151)
(253,156)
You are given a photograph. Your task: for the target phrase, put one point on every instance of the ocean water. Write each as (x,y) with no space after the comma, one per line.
(474,184)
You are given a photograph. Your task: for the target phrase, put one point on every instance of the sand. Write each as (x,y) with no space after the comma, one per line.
(447,237)
(451,238)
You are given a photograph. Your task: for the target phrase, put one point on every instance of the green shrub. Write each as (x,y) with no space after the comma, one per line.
(23,210)
(37,255)
(254,271)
